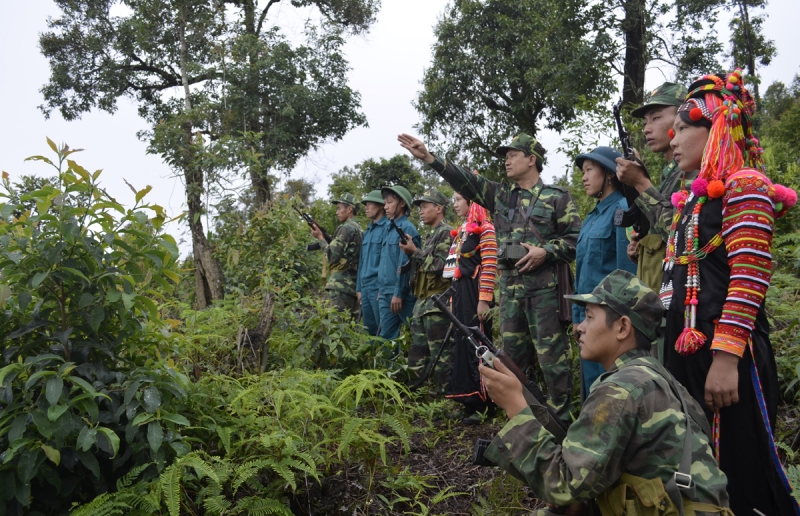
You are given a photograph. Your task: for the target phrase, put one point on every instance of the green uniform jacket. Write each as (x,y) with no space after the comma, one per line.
(429,262)
(657,204)
(632,422)
(343,253)
(554,215)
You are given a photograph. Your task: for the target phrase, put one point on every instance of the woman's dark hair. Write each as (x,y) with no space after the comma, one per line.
(642,342)
(613,173)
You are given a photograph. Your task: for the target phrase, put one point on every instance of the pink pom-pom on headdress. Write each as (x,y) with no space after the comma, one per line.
(791,198)
(700,187)
(781,193)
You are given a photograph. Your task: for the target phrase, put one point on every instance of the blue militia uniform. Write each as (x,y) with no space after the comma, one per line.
(391,283)
(602,248)
(368,268)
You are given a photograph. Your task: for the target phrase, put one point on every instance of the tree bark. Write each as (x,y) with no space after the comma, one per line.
(264,328)
(209,280)
(748,38)
(634,30)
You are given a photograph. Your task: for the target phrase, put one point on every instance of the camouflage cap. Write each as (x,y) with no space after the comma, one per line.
(433,195)
(373,196)
(523,142)
(399,191)
(668,94)
(346,198)
(627,295)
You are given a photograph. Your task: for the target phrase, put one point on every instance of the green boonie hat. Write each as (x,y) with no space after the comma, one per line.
(373,196)
(627,295)
(434,196)
(668,94)
(346,198)
(523,142)
(399,190)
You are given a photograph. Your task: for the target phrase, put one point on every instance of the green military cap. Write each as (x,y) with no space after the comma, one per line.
(668,94)
(399,191)
(346,198)
(524,142)
(433,195)
(627,295)
(373,196)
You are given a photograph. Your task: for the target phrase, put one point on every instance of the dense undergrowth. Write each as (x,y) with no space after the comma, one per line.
(119,398)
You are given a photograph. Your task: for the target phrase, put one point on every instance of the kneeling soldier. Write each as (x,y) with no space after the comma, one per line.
(640,445)
(342,254)
(428,325)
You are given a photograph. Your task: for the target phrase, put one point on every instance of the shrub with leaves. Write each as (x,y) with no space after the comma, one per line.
(83,391)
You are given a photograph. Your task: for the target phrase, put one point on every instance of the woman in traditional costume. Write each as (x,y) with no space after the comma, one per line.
(472,265)
(716,275)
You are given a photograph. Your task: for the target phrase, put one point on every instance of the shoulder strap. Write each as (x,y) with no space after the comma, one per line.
(681,483)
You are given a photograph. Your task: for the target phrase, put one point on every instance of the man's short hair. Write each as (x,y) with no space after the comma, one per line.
(642,342)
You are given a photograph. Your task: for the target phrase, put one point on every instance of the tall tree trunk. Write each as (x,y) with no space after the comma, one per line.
(634,29)
(209,280)
(748,39)
(254,119)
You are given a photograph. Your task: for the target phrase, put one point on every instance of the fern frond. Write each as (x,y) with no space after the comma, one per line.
(171,486)
(399,429)
(127,481)
(216,505)
(257,506)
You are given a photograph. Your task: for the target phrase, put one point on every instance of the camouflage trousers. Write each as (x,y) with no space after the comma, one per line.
(344,302)
(532,333)
(427,337)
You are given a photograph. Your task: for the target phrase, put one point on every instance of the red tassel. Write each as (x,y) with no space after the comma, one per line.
(457,274)
(689,341)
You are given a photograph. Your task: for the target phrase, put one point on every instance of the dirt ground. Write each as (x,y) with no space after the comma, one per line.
(437,476)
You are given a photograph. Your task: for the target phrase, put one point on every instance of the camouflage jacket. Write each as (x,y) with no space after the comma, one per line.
(429,262)
(632,422)
(342,254)
(554,215)
(657,204)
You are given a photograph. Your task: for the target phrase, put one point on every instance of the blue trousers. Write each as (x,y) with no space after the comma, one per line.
(370,314)
(390,323)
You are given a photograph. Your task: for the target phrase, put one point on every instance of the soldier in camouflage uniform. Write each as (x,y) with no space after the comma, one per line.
(529,321)
(428,324)
(649,251)
(342,255)
(628,443)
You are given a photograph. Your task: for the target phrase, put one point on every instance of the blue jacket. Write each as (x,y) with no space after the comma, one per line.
(392,258)
(369,263)
(602,248)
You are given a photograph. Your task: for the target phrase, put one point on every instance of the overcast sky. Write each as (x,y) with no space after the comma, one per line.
(387,66)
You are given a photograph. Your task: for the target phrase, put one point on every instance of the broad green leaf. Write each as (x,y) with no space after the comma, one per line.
(53,389)
(155,435)
(38,278)
(112,437)
(52,454)
(28,464)
(175,418)
(151,399)
(43,424)
(142,418)
(97,316)
(55,411)
(90,462)
(52,145)
(86,438)
(144,191)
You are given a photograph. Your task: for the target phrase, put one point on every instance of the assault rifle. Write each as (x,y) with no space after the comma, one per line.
(633,216)
(488,353)
(312,223)
(403,240)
